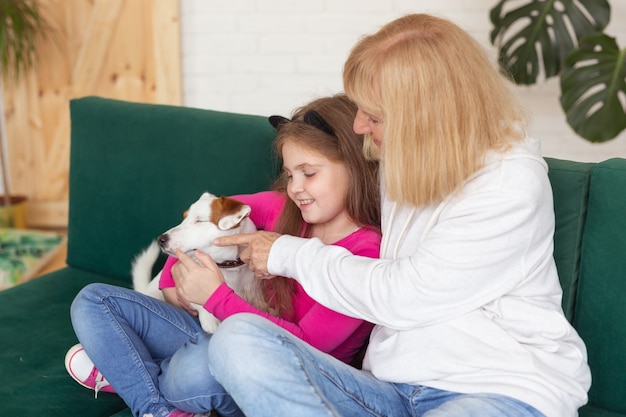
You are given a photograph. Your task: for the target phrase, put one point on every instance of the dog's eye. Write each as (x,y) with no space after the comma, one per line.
(202,220)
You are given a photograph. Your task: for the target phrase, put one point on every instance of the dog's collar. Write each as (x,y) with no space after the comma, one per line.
(230,264)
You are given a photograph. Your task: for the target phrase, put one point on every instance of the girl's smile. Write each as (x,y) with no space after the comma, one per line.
(303,203)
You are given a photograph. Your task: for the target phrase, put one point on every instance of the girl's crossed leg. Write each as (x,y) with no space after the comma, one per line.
(141,333)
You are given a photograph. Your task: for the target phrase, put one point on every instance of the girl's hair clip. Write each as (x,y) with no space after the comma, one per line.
(311,118)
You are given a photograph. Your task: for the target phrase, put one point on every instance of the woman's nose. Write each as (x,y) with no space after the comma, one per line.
(361,125)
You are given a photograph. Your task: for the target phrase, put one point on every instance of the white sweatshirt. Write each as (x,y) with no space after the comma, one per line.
(466,296)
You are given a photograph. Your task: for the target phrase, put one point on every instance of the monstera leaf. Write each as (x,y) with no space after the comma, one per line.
(591,85)
(539,34)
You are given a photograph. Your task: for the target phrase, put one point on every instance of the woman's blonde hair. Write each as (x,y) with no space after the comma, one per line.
(339,144)
(442,102)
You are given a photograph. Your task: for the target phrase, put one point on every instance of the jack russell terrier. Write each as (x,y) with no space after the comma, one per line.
(207,219)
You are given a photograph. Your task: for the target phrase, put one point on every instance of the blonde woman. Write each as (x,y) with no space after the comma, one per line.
(465,298)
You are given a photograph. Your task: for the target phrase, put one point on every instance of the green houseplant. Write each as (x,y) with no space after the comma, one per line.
(564,38)
(21,22)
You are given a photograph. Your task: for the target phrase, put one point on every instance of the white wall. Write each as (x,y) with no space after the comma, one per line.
(270,56)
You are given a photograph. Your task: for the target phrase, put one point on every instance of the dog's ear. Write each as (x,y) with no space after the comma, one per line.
(233,220)
(232,212)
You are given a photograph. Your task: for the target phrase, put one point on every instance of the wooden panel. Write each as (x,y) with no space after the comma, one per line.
(124,49)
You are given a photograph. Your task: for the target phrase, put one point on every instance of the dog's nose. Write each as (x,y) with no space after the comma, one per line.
(163,240)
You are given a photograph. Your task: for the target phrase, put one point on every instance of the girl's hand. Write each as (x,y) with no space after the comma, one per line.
(196,283)
(256,251)
(171,296)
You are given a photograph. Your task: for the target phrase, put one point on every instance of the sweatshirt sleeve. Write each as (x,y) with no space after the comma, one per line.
(476,252)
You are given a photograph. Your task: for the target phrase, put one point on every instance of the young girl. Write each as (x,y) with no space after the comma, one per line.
(154,355)
(466,297)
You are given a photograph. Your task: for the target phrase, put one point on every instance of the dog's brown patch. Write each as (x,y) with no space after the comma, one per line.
(223,206)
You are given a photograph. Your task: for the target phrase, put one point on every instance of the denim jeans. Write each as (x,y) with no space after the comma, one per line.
(153,354)
(269,372)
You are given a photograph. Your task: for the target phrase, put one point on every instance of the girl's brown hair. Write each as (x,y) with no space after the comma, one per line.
(442,102)
(344,146)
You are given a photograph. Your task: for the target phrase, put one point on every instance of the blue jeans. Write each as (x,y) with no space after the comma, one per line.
(153,354)
(269,372)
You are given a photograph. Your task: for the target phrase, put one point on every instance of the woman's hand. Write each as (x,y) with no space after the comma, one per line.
(195,283)
(256,251)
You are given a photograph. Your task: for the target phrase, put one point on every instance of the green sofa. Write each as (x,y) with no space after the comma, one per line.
(134,169)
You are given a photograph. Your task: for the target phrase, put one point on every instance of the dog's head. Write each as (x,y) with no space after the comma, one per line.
(207,219)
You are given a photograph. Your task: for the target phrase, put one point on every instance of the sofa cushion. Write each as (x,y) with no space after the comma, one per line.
(570,187)
(35,334)
(600,315)
(142,165)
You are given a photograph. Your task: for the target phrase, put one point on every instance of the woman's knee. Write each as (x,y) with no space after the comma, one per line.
(240,330)
(243,336)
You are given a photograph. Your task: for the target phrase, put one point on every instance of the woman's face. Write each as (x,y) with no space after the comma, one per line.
(367,123)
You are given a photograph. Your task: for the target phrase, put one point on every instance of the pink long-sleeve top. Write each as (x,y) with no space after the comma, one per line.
(325,329)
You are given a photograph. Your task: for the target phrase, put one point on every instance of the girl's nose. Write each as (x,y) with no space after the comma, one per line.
(295,185)
(361,125)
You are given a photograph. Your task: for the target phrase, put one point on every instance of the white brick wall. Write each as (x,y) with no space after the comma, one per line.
(270,56)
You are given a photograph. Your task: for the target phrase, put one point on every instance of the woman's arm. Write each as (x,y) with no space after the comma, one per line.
(474,254)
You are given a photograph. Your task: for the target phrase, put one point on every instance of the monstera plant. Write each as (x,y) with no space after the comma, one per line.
(538,39)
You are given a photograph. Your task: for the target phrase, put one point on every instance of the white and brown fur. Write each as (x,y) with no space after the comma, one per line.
(207,219)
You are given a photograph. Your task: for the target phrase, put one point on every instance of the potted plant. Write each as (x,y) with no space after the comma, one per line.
(21,23)
(565,38)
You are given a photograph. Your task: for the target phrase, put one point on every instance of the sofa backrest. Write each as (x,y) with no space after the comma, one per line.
(144,164)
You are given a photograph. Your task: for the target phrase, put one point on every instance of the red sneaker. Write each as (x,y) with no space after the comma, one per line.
(82,369)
